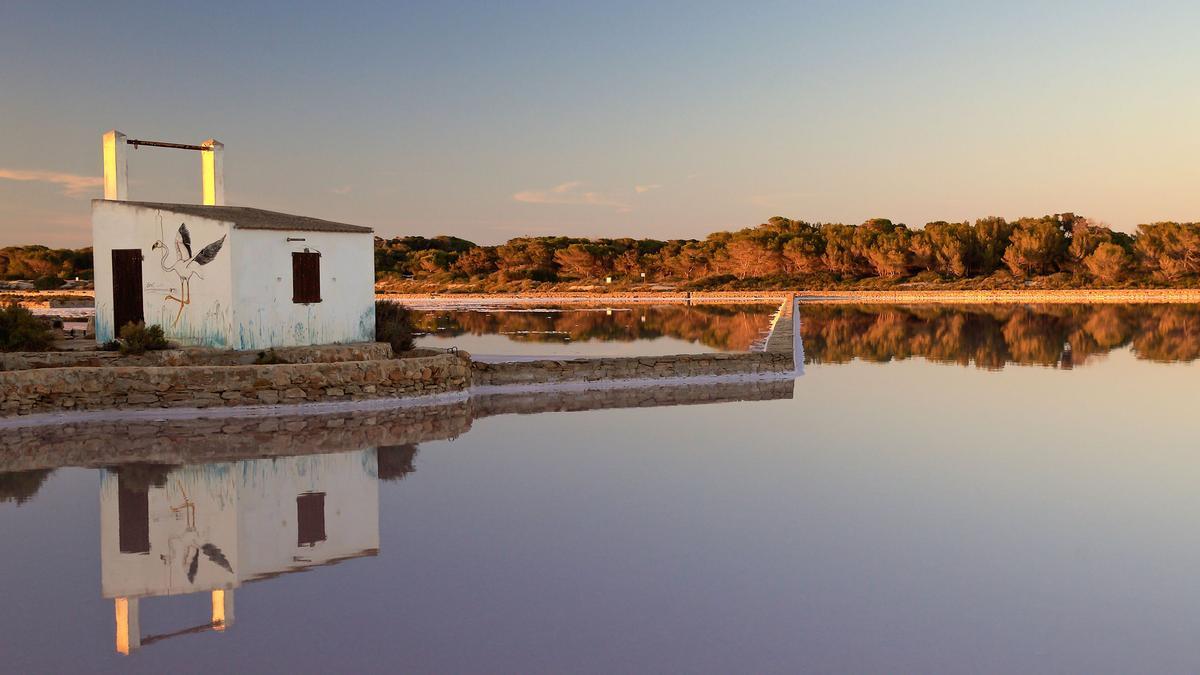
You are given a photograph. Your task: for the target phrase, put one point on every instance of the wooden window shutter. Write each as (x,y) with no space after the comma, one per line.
(310,518)
(306,276)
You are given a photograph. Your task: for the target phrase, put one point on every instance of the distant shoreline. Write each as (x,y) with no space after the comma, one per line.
(1076,296)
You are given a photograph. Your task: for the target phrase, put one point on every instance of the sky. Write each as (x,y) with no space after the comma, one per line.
(650,119)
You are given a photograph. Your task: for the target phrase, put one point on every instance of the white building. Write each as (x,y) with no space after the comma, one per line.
(226,276)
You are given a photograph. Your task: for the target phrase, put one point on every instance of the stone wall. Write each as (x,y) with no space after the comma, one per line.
(629,368)
(781,339)
(212,439)
(97,388)
(535,402)
(194,356)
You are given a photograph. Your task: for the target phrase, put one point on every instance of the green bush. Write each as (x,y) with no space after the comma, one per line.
(48,283)
(21,331)
(138,338)
(393,325)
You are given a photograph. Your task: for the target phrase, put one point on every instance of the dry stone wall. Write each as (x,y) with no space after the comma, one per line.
(96,388)
(629,368)
(358,351)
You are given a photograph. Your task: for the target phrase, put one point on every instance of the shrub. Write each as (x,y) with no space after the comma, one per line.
(1109,263)
(393,325)
(269,358)
(48,283)
(21,331)
(138,338)
(110,346)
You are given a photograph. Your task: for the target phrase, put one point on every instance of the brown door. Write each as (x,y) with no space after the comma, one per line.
(133,517)
(127,287)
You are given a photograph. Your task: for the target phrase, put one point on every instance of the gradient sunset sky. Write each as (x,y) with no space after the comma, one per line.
(666,119)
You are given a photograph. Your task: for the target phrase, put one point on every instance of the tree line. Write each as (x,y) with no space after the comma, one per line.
(38,262)
(1064,249)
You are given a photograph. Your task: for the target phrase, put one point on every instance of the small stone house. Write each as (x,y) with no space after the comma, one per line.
(227,276)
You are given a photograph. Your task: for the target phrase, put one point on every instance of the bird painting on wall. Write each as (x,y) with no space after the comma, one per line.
(186,264)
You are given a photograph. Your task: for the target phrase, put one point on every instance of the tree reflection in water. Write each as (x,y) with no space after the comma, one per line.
(21,486)
(729,327)
(991,336)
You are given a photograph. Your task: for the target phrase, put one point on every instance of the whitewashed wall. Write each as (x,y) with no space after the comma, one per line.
(264,314)
(208,318)
(248,510)
(267,510)
(213,491)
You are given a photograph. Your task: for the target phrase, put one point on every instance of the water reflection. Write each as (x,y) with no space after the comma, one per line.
(728,327)
(21,486)
(992,336)
(209,528)
(171,526)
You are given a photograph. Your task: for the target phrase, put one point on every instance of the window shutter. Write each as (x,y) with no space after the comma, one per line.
(310,518)
(306,277)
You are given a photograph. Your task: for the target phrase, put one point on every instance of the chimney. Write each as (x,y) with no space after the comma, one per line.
(212,172)
(116,166)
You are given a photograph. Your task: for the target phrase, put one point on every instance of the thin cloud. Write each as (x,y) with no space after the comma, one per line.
(642,189)
(778,200)
(342,190)
(571,192)
(73,185)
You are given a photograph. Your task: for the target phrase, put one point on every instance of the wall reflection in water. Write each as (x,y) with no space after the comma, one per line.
(167,531)
(992,336)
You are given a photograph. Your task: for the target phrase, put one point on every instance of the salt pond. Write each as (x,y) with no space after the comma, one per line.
(999,488)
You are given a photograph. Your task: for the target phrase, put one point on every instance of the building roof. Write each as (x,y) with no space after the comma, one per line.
(246,218)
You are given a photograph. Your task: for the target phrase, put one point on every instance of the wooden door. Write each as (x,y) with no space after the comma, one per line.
(133,517)
(127,287)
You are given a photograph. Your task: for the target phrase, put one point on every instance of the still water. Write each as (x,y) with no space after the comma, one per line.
(1006,489)
(581,330)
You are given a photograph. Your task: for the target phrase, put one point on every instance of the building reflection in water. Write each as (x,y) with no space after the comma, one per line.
(168,531)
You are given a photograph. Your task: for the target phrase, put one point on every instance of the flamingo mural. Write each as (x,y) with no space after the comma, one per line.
(183,263)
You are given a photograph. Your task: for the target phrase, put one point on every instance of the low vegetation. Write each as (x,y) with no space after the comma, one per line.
(394,325)
(138,338)
(21,331)
(270,357)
